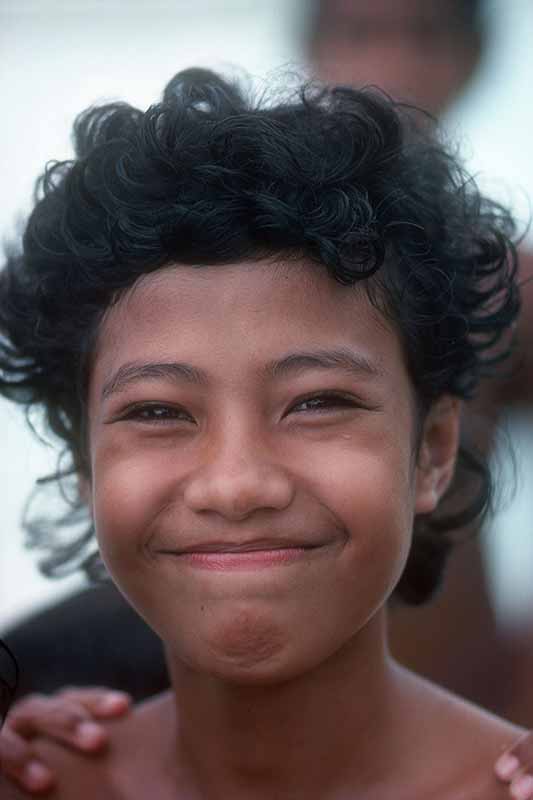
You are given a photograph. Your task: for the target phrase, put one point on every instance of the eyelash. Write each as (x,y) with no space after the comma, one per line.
(332,400)
(138,412)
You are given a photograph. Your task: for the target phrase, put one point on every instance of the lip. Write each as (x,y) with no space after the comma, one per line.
(253,554)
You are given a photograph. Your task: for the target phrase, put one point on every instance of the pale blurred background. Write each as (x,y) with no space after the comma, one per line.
(57,57)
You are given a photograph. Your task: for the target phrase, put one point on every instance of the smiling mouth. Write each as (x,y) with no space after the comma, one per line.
(251,555)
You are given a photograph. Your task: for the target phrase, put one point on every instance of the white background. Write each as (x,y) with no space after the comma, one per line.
(56,58)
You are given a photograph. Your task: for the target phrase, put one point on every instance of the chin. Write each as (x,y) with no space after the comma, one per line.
(249,647)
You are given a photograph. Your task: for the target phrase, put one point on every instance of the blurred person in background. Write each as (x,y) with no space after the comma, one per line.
(420,51)
(425,52)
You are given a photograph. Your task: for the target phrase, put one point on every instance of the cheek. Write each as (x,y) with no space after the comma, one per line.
(126,496)
(374,501)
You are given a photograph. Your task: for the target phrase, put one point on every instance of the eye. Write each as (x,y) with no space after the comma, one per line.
(156,413)
(325,402)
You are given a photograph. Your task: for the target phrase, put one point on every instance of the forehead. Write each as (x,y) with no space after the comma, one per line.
(226,318)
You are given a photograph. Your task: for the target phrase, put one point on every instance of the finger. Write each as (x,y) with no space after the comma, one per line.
(521,787)
(18,762)
(99,702)
(60,719)
(515,758)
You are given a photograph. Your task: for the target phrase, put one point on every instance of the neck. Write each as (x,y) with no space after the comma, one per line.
(309,736)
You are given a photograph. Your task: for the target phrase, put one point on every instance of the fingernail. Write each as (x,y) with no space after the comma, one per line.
(112,700)
(522,788)
(89,734)
(506,766)
(36,776)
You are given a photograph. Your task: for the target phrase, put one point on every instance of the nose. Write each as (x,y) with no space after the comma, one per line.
(238,478)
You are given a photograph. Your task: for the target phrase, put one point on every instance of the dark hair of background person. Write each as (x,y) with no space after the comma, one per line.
(9,679)
(343,177)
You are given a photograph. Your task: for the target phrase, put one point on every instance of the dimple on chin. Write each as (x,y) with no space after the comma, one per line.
(247,641)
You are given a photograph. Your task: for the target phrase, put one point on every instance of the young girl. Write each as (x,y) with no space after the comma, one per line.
(253,327)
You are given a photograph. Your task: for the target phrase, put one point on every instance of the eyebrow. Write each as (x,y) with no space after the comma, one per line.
(340,358)
(134,371)
(355,364)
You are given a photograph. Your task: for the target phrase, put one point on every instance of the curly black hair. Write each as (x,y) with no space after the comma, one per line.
(211,175)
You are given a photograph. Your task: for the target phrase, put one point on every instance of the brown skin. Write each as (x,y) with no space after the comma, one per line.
(250,468)
(119,776)
(64,717)
(409,48)
(247,454)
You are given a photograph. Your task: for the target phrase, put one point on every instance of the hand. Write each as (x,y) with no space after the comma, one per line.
(515,767)
(68,717)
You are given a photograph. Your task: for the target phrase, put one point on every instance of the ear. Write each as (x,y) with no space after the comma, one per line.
(437,453)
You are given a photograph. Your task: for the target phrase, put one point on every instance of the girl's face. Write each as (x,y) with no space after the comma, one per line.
(254,475)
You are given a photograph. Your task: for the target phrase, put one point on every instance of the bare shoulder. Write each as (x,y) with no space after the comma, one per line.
(460,742)
(483,737)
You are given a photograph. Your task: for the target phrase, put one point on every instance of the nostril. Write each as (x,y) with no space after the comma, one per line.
(237,496)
